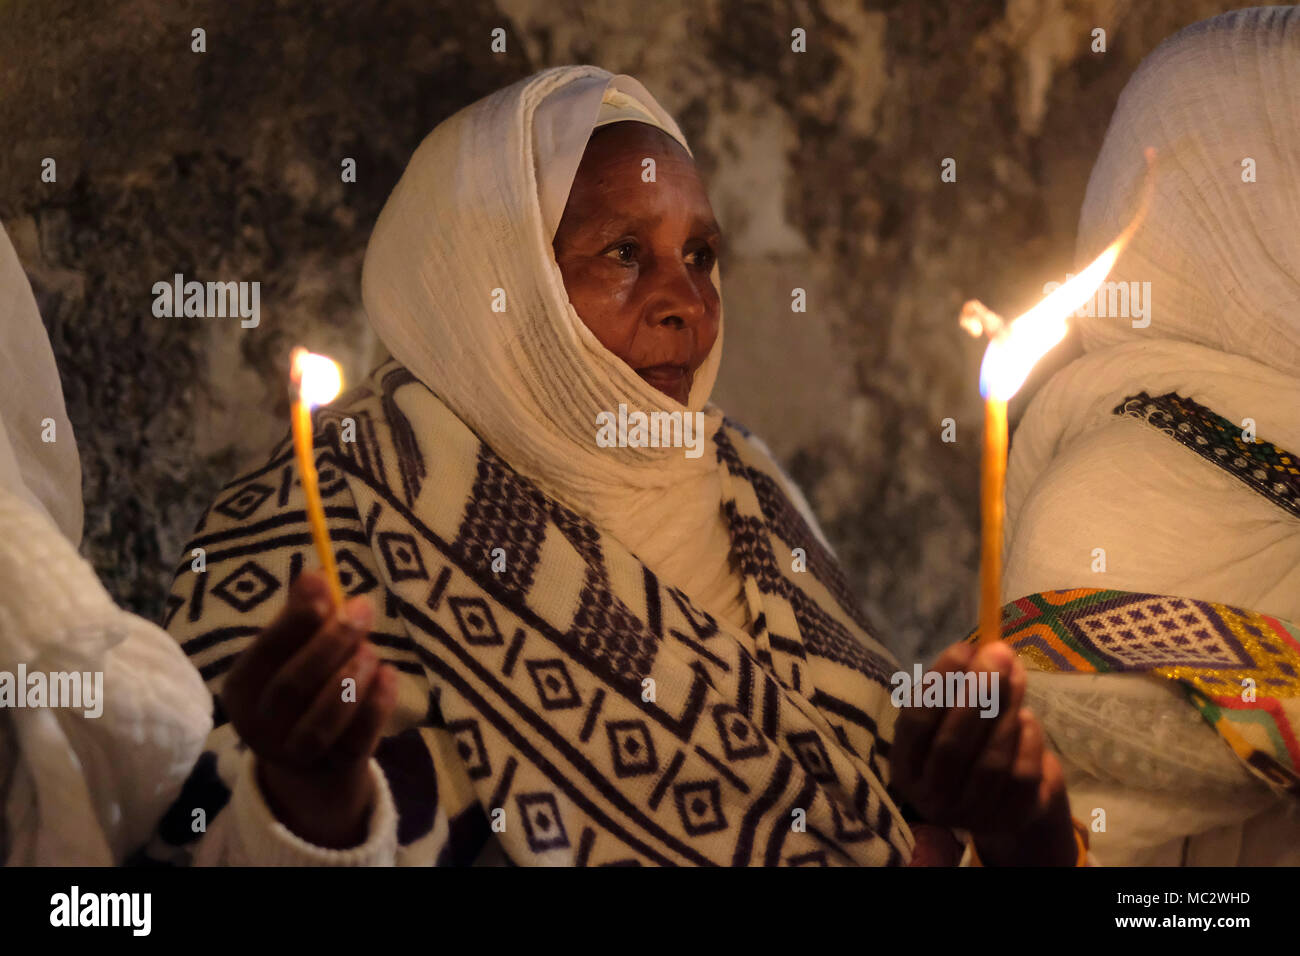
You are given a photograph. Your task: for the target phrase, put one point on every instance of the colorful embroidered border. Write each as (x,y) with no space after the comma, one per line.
(1273,472)
(1240,669)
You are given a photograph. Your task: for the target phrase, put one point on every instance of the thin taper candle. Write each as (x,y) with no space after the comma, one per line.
(1013,349)
(993,470)
(309,389)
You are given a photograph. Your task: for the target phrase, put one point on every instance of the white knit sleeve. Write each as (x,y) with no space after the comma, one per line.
(248,834)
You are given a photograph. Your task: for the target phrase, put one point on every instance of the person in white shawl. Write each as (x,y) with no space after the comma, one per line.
(1097,499)
(594,653)
(83,785)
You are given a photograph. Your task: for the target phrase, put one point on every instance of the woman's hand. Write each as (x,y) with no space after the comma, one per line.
(992,776)
(286,698)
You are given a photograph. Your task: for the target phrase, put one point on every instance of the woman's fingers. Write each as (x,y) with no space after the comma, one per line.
(308,606)
(1053,785)
(334,709)
(1021,796)
(992,768)
(307,609)
(917,726)
(962,735)
(299,680)
(358,742)
(993,776)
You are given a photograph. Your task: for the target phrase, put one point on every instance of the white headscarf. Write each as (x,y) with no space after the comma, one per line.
(1222,255)
(474,213)
(565,121)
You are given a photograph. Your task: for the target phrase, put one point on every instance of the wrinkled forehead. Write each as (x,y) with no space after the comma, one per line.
(640,149)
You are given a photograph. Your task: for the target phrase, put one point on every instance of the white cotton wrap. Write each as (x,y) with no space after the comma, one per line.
(45,474)
(1222,254)
(74,790)
(471,222)
(1223,260)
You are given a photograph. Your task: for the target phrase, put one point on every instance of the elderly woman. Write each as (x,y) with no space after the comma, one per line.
(610,630)
(1160,467)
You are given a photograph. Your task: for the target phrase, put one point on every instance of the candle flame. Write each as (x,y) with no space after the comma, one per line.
(319,378)
(1018,345)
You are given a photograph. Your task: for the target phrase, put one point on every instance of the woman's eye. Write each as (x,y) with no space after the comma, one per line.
(703,258)
(624,252)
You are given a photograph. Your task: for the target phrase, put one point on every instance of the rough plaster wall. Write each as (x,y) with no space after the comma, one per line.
(823,167)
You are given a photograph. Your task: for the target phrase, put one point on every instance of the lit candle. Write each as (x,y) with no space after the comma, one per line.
(316,380)
(993,473)
(1013,350)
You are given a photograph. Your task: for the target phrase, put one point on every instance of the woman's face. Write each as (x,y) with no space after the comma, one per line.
(636,255)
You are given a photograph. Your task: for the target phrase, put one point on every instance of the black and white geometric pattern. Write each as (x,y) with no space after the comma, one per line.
(246,586)
(583,722)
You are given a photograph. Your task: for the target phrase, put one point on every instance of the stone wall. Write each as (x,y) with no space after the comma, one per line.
(824,167)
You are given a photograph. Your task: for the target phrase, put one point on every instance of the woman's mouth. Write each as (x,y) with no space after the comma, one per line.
(673,380)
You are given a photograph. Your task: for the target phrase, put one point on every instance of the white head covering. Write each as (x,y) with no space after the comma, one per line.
(565,121)
(47,475)
(1222,255)
(474,213)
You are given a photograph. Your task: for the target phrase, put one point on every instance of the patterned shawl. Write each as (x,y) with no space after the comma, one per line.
(560,704)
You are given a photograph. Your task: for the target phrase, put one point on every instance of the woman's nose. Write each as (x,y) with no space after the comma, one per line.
(676,302)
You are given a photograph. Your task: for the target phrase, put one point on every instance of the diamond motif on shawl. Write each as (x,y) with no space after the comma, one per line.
(402,556)
(329,476)
(244,501)
(632,748)
(554,685)
(543,828)
(812,756)
(247,586)
(849,827)
(740,739)
(469,745)
(476,621)
(353,575)
(700,807)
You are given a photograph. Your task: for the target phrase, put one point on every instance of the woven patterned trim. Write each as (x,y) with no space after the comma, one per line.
(1240,669)
(1270,470)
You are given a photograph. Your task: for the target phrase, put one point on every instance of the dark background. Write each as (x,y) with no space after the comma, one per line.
(823,167)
